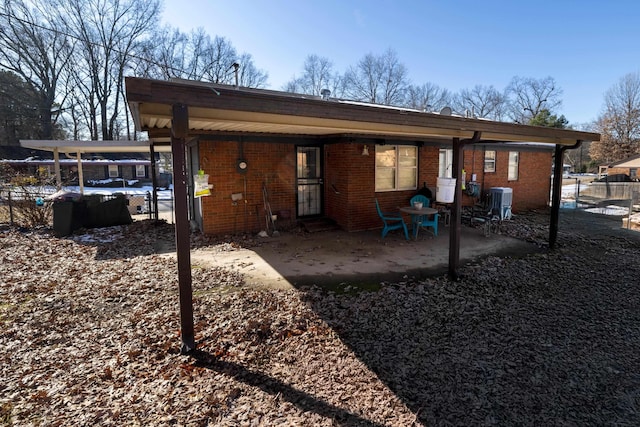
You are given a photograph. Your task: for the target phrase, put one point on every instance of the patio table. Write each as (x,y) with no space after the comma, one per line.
(416,215)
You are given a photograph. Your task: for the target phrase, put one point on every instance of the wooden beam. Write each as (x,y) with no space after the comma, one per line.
(180,128)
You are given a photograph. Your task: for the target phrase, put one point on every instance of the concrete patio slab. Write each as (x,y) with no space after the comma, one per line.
(329,258)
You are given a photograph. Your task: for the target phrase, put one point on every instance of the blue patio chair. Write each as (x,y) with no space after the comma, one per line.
(392,221)
(423,221)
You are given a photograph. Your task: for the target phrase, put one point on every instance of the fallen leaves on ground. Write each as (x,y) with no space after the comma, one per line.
(90,335)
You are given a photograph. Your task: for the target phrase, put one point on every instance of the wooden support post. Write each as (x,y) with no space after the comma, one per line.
(56,167)
(455,224)
(80,173)
(455,228)
(179,132)
(556,189)
(154,181)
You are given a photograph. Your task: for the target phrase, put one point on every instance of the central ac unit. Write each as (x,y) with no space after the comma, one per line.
(501,199)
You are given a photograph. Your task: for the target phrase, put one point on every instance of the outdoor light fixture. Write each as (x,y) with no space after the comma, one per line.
(365,150)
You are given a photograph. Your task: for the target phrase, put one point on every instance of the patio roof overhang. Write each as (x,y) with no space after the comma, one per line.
(215,109)
(173,111)
(75,149)
(83,147)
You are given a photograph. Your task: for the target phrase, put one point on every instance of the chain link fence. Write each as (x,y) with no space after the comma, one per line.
(32,207)
(616,198)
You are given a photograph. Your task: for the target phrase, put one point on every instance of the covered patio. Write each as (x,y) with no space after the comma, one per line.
(343,261)
(179,112)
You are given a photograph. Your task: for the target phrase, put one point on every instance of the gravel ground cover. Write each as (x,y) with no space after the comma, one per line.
(90,335)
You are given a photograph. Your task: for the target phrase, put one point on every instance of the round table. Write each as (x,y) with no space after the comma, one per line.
(416,216)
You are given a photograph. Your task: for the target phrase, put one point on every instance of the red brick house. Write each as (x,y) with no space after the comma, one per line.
(333,158)
(629,166)
(334,179)
(310,153)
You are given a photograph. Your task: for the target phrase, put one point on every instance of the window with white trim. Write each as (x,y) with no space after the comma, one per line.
(514,159)
(396,167)
(445,163)
(114,171)
(141,171)
(490,161)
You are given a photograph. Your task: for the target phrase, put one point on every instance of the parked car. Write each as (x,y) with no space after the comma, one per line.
(164,180)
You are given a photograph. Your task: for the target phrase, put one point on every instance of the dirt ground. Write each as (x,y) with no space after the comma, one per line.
(91,332)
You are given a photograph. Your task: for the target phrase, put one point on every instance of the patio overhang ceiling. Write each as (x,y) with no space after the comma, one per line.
(222,109)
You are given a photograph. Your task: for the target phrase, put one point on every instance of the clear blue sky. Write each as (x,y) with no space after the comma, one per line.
(586,46)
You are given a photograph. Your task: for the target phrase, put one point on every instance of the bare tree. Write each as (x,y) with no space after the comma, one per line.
(249,75)
(619,125)
(378,79)
(32,48)
(529,96)
(109,33)
(317,74)
(579,158)
(481,101)
(608,149)
(171,53)
(163,55)
(427,97)
(221,56)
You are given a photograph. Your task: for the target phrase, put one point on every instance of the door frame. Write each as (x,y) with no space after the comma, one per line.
(317,179)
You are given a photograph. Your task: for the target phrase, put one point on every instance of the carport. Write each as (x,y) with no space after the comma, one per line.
(176,112)
(75,150)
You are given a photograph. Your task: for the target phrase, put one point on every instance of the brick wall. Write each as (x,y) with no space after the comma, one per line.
(532,188)
(101,171)
(353,176)
(270,164)
(349,178)
(616,171)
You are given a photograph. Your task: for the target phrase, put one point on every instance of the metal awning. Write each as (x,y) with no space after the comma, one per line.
(216,109)
(75,149)
(172,111)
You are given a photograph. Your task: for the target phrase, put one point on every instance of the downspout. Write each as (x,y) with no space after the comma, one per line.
(558,162)
(456,211)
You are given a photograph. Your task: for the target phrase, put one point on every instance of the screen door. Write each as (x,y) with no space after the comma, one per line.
(309,181)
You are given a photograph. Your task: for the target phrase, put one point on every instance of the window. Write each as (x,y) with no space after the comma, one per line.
(141,171)
(490,161)
(513,166)
(633,173)
(113,171)
(396,167)
(445,164)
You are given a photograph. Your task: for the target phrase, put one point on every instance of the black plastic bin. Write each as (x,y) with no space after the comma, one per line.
(90,212)
(68,215)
